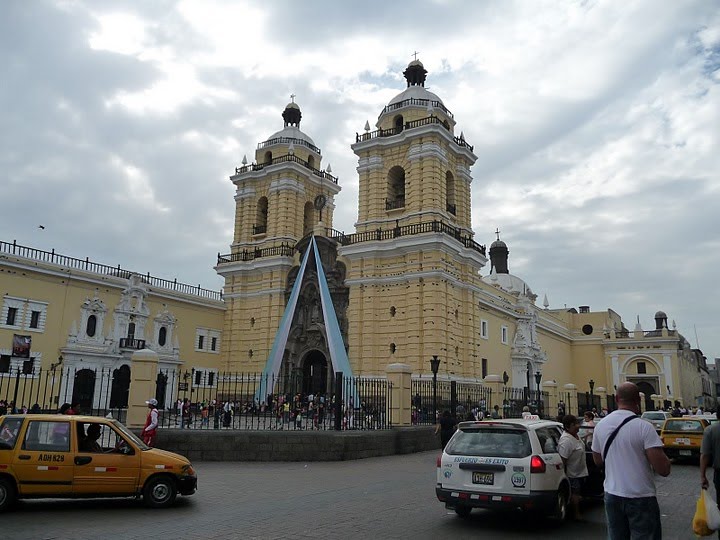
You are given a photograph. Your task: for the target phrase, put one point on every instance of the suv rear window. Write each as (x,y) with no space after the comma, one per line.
(493,442)
(684,425)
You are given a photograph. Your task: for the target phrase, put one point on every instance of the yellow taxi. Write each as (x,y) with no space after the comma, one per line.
(682,437)
(58,456)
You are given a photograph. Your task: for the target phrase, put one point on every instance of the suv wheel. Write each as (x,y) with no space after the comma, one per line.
(7,494)
(463,511)
(561,504)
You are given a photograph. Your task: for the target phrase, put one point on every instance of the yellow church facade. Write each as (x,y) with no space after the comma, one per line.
(411,282)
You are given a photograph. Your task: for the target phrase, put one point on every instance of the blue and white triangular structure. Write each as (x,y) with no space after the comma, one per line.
(274,361)
(336,346)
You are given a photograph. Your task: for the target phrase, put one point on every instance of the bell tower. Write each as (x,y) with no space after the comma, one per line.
(413,168)
(413,266)
(279,199)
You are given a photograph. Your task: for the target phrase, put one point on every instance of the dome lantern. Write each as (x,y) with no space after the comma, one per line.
(292,115)
(415,73)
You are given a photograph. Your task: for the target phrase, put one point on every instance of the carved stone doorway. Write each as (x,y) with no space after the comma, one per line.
(315,373)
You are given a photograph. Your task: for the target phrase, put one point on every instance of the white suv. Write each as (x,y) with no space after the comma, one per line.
(504,464)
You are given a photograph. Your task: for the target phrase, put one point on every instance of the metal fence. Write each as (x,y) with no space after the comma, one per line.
(450,395)
(90,391)
(252,401)
(213,400)
(516,399)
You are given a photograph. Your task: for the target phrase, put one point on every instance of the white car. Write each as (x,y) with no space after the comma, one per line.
(656,418)
(504,464)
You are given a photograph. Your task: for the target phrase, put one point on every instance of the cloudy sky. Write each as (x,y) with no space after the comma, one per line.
(595,124)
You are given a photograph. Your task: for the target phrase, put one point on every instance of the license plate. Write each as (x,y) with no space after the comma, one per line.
(685,453)
(486,478)
(682,440)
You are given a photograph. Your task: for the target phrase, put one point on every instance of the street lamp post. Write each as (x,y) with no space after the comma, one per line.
(538,398)
(592,398)
(435,365)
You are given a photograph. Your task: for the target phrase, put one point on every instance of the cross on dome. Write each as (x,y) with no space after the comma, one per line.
(415,54)
(497,231)
(292,97)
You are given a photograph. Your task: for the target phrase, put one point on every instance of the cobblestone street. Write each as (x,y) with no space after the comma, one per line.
(389,497)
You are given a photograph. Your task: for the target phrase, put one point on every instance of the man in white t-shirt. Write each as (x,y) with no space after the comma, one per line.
(633,454)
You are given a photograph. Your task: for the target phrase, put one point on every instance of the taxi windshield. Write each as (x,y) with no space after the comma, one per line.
(130,435)
(494,442)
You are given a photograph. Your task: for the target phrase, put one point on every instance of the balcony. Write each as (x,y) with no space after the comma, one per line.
(288,158)
(407,230)
(283,250)
(132,343)
(397,202)
(460,141)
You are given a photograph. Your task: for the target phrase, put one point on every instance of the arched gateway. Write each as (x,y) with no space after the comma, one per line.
(315,373)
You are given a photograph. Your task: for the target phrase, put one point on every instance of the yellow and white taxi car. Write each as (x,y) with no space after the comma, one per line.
(504,464)
(58,456)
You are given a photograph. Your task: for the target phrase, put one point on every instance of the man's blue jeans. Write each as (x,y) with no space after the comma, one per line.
(633,519)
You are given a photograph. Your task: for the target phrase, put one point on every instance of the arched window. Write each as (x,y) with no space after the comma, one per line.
(311,162)
(91,326)
(162,336)
(261,216)
(398,123)
(450,193)
(396,188)
(308,215)
(268,158)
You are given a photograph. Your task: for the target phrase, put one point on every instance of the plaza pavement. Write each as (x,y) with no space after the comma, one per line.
(377,498)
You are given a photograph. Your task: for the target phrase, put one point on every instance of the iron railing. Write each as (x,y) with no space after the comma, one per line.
(407,230)
(396,130)
(96,392)
(416,101)
(461,398)
(397,202)
(288,140)
(89,266)
(292,158)
(131,343)
(283,250)
(216,400)
(516,399)
(255,401)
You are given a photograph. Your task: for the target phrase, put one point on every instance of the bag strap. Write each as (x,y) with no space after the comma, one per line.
(612,436)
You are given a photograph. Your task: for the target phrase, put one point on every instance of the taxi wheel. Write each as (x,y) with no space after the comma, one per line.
(463,511)
(7,494)
(159,492)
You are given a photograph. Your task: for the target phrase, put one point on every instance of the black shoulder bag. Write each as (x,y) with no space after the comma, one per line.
(612,436)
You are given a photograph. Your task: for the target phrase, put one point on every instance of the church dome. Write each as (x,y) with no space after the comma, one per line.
(498,244)
(291,132)
(661,315)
